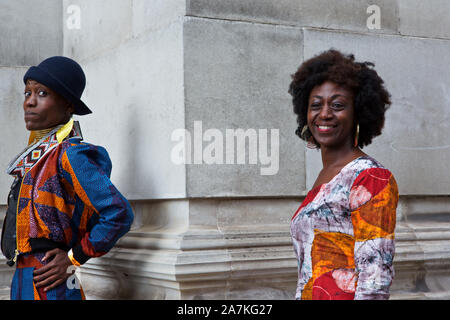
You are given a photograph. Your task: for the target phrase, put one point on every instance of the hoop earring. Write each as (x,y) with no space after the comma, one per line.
(356,136)
(306,135)
(302,134)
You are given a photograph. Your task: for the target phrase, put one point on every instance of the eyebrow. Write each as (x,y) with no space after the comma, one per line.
(333,97)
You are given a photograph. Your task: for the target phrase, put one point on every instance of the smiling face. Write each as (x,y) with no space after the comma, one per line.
(330,115)
(44,108)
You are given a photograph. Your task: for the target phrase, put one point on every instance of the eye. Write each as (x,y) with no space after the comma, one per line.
(314,105)
(27,94)
(338,106)
(42,93)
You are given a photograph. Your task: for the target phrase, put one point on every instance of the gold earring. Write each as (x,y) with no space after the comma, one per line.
(302,134)
(306,135)
(356,136)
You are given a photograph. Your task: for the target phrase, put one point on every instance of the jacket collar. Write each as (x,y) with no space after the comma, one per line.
(25,160)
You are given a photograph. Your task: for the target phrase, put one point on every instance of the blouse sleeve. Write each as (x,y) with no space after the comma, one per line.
(88,168)
(373,202)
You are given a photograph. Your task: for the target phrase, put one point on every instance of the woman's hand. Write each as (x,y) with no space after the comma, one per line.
(55,272)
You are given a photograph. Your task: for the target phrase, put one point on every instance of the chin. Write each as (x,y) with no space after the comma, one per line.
(333,145)
(327,144)
(33,127)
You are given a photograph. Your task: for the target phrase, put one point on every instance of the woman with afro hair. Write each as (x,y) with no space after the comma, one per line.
(343,232)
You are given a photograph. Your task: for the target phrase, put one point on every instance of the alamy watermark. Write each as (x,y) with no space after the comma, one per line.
(73,21)
(374,20)
(233,147)
(74,280)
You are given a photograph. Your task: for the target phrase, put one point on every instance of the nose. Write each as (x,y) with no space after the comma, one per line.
(325,112)
(30,101)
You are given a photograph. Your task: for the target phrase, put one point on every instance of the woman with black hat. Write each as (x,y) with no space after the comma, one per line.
(62,207)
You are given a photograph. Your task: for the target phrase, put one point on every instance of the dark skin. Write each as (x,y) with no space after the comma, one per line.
(44,109)
(55,272)
(331,120)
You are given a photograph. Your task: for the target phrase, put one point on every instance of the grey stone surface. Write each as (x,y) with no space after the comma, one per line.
(424,18)
(108,24)
(422,256)
(178,252)
(104,25)
(133,58)
(256,214)
(414,144)
(237,76)
(30,31)
(136,94)
(342,14)
(12,125)
(149,16)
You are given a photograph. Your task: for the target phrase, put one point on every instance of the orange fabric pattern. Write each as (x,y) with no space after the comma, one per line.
(330,251)
(375,219)
(343,235)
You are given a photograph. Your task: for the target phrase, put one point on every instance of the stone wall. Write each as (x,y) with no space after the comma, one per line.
(222,230)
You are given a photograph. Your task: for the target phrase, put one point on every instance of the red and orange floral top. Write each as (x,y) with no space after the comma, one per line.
(343,235)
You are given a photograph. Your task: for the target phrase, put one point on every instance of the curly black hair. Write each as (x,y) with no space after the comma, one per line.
(371,98)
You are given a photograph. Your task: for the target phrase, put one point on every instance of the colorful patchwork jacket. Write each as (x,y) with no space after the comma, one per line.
(66,197)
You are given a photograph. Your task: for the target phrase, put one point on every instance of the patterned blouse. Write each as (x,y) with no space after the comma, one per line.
(343,235)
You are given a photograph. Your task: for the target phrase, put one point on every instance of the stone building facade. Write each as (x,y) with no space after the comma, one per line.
(218,227)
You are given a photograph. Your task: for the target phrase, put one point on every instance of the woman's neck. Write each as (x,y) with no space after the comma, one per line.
(339,157)
(39,134)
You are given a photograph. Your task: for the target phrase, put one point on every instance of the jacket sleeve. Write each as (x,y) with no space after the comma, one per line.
(373,202)
(88,168)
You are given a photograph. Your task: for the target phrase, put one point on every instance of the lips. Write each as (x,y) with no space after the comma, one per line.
(325,128)
(30,116)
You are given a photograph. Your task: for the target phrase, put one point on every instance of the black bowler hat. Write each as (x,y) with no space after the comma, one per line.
(64,76)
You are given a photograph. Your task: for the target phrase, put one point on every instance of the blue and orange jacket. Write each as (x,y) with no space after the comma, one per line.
(67,197)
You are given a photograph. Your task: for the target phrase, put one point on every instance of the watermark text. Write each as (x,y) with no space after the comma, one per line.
(236,146)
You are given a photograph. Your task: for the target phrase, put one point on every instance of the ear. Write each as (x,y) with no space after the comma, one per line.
(70,108)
